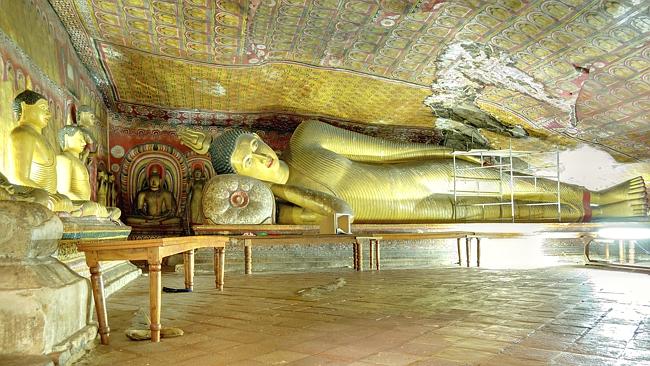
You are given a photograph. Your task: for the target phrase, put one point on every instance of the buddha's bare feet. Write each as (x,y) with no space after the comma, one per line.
(631,208)
(633,189)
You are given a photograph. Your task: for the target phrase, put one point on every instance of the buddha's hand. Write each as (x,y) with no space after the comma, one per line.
(7,187)
(195,140)
(318,202)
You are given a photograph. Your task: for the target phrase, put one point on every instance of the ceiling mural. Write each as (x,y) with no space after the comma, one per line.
(578,69)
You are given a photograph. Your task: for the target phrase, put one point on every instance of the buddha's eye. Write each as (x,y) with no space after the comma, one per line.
(248,161)
(254,145)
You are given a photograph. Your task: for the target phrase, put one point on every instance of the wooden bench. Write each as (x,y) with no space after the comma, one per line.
(153,251)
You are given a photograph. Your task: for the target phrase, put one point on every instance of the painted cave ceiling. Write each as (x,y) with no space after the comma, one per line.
(542,71)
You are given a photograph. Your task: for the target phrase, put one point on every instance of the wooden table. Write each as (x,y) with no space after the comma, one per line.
(307,239)
(153,251)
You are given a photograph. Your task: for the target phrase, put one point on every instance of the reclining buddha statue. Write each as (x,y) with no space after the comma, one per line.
(328,170)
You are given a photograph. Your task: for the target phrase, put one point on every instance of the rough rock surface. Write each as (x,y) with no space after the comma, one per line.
(45,307)
(464,70)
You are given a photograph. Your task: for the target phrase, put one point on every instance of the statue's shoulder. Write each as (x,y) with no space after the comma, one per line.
(23,132)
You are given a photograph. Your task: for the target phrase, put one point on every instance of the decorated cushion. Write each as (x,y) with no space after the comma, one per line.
(237,199)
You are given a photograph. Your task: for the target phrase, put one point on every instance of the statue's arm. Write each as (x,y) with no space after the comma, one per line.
(140,203)
(63,177)
(22,153)
(315,201)
(363,148)
(198,141)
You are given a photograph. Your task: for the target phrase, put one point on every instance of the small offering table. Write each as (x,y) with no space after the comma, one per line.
(153,251)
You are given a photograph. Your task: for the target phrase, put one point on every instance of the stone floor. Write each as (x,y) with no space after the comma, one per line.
(564,315)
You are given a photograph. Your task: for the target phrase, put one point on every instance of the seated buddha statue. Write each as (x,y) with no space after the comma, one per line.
(155,205)
(328,169)
(32,161)
(12,192)
(73,179)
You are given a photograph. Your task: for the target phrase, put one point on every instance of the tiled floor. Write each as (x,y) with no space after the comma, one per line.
(445,316)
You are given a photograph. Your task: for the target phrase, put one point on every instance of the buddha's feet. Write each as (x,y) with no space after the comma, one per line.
(630,208)
(630,190)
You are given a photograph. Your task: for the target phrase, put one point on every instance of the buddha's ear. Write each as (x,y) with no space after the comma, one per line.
(23,105)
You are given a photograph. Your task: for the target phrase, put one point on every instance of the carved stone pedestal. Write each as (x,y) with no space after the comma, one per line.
(116,274)
(45,308)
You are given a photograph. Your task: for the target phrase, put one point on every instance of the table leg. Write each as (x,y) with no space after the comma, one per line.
(188,267)
(219,264)
(377,257)
(460,260)
(248,256)
(468,242)
(621,251)
(478,252)
(354,255)
(370,249)
(97,284)
(359,256)
(155,287)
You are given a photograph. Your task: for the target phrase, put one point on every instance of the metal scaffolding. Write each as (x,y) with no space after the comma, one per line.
(503,161)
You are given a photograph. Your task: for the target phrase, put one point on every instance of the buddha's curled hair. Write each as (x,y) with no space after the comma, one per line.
(27,96)
(221,150)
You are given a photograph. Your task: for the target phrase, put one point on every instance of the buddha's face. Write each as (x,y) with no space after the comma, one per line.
(75,143)
(154,182)
(198,174)
(86,119)
(37,114)
(253,158)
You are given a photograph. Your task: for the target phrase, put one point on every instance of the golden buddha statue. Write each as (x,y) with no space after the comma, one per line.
(326,168)
(32,161)
(86,120)
(12,192)
(155,205)
(73,179)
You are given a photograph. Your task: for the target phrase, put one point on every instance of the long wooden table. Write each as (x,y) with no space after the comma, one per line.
(153,251)
(373,239)
(305,234)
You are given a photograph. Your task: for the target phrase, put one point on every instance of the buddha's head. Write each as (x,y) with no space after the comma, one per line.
(242,152)
(197,174)
(72,138)
(154,179)
(32,108)
(85,116)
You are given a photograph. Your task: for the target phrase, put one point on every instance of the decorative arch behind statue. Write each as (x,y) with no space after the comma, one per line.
(136,166)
